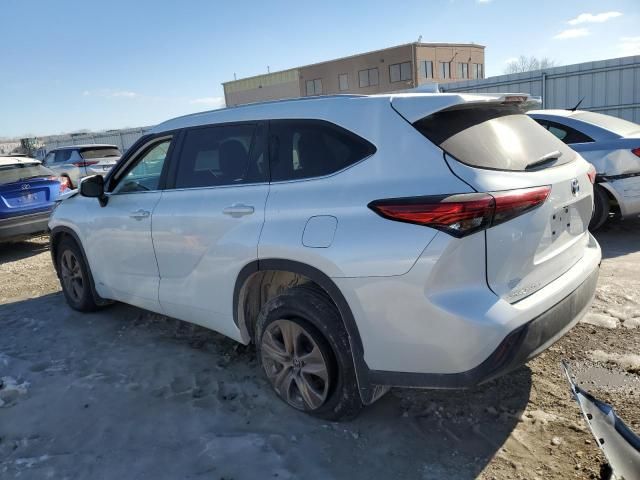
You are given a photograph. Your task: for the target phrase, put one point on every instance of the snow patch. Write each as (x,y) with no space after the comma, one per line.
(10,389)
(631,323)
(600,320)
(629,362)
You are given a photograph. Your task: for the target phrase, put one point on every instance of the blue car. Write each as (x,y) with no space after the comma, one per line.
(28,193)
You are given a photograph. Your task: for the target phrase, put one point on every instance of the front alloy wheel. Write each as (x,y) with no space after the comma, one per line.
(295,365)
(72,278)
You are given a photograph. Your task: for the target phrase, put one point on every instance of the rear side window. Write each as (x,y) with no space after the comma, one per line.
(222,155)
(567,134)
(312,148)
(63,156)
(92,153)
(494,136)
(22,171)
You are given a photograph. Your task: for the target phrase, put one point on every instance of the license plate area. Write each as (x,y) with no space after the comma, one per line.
(570,220)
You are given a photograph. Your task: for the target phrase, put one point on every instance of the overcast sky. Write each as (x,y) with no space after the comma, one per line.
(69,64)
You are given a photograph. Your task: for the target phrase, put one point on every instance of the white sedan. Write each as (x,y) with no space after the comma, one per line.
(612,145)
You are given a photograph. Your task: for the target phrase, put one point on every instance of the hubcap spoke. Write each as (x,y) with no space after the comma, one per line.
(272,349)
(295,365)
(282,382)
(311,397)
(313,364)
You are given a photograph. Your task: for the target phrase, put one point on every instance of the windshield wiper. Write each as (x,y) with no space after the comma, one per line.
(546,158)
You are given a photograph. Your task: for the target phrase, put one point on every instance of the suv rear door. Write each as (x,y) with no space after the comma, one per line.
(495,148)
(207,224)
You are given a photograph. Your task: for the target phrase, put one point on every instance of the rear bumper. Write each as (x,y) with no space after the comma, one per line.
(519,346)
(23,226)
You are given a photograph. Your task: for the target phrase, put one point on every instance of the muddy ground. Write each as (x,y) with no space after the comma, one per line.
(124,393)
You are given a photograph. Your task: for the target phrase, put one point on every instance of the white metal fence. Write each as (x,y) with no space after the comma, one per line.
(123,139)
(607,86)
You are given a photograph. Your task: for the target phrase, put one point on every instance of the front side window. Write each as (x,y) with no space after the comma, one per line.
(222,155)
(144,174)
(310,148)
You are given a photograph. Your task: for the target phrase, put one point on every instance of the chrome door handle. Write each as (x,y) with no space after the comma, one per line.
(238,210)
(140,214)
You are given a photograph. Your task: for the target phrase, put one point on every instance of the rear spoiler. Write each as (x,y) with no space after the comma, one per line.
(414,106)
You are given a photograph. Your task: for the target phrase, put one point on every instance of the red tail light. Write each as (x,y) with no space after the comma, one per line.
(636,151)
(85,163)
(64,183)
(462,214)
(591,173)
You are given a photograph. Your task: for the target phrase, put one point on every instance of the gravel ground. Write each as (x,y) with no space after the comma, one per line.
(125,393)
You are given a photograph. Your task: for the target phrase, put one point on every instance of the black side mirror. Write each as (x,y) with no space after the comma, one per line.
(93,187)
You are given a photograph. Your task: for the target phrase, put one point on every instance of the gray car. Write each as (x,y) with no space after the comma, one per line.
(79,161)
(612,145)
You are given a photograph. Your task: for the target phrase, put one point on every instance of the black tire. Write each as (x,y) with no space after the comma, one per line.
(78,292)
(601,208)
(310,309)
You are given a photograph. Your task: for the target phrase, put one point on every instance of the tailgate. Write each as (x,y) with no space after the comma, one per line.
(496,149)
(530,251)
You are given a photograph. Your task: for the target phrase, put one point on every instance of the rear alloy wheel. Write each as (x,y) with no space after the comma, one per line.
(295,364)
(601,208)
(305,353)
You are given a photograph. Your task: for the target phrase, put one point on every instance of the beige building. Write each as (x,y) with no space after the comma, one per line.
(391,69)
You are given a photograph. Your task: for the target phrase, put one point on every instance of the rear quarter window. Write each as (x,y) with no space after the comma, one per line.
(302,149)
(494,136)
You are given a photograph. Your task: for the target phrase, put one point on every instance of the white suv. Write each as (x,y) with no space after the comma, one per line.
(361,242)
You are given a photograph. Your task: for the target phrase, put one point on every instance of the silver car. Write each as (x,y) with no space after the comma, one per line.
(612,145)
(79,161)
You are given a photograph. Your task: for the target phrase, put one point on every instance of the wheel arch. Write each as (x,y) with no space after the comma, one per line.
(614,196)
(241,294)
(56,236)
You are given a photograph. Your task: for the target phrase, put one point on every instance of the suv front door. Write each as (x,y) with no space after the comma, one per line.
(119,241)
(207,224)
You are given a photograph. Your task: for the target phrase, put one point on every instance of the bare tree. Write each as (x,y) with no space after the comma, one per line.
(527,64)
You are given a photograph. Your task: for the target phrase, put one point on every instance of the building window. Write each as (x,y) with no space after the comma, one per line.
(343,80)
(368,78)
(314,87)
(426,68)
(463,70)
(476,70)
(400,71)
(445,68)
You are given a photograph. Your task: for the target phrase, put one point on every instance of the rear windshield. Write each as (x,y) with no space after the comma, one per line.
(621,127)
(100,152)
(22,171)
(494,136)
